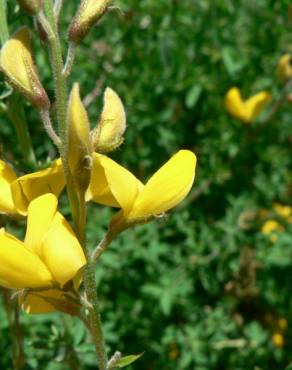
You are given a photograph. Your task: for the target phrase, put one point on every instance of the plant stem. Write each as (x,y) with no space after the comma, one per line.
(91,290)
(4,32)
(102,246)
(77,200)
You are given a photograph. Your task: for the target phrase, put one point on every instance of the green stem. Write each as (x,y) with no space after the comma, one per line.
(91,290)
(77,200)
(4,32)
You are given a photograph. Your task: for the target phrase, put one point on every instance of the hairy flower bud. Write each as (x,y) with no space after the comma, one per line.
(32,7)
(17,64)
(80,148)
(108,135)
(88,13)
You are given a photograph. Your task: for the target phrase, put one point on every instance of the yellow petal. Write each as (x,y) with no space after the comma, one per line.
(7,176)
(28,187)
(112,184)
(41,213)
(256,104)
(112,123)
(21,268)
(167,187)
(61,251)
(17,64)
(39,302)
(284,68)
(79,139)
(234,103)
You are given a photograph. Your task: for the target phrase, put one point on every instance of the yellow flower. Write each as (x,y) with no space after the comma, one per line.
(50,255)
(16,193)
(283,211)
(282,323)
(17,64)
(278,340)
(270,226)
(113,185)
(284,68)
(108,134)
(246,110)
(89,12)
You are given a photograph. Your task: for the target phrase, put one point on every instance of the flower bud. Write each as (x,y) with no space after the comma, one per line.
(17,64)
(32,7)
(108,135)
(89,12)
(79,147)
(284,68)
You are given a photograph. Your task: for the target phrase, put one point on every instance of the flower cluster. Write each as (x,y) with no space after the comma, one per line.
(46,266)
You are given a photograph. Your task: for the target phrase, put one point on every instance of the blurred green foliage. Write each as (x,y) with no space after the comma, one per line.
(204,289)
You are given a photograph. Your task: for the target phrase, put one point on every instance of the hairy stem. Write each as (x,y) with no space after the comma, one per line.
(102,246)
(76,198)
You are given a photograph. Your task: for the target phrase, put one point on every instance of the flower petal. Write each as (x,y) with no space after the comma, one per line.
(41,213)
(167,187)
(39,302)
(234,103)
(7,176)
(28,187)
(256,104)
(61,251)
(21,268)
(112,184)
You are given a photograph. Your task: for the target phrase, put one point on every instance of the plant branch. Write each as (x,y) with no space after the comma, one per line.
(4,32)
(102,246)
(45,116)
(69,60)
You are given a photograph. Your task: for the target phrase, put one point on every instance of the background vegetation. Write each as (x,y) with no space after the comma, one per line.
(205,289)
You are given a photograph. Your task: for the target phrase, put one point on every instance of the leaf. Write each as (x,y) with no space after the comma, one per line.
(193,96)
(128,360)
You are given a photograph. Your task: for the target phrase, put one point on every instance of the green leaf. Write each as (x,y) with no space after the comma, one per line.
(128,360)
(193,96)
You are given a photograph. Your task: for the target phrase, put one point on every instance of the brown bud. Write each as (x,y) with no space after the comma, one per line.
(32,7)
(88,13)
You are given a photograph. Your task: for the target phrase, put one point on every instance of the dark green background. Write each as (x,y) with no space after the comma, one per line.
(203,289)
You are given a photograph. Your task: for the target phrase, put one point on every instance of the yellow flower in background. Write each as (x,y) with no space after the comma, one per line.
(283,211)
(50,255)
(16,193)
(246,110)
(270,226)
(278,340)
(113,185)
(282,323)
(284,68)
(17,64)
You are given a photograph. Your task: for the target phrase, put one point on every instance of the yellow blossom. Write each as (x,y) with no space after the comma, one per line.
(16,193)
(50,255)
(17,64)
(278,340)
(115,186)
(283,211)
(270,226)
(246,110)
(283,324)
(284,68)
